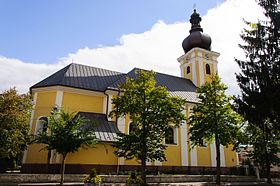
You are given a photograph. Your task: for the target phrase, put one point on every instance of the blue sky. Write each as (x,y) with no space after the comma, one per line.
(39,37)
(43,31)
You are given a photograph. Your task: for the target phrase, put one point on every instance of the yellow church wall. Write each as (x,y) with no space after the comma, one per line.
(173,152)
(230,156)
(131,162)
(45,101)
(36,154)
(102,154)
(204,156)
(74,102)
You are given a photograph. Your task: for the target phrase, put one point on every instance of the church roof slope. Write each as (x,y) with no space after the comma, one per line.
(176,86)
(81,76)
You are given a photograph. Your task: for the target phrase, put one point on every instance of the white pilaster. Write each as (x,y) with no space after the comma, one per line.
(121,160)
(222,152)
(184,142)
(201,73)
(194,156)
(194,80)
(30,123)
(55,157)
(121,124)
(213,154)
(109,106)
(58,99)
(237,159)
(158,163)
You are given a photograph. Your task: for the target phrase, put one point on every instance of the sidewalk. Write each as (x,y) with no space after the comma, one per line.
(152,184)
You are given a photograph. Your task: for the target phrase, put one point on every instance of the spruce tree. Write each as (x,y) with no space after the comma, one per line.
(259,82)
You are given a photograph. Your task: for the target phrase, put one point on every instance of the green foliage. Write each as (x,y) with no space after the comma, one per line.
(214,116)
(92,178)
(66,133)
(214,119)
(259,82)
(151,112)
(134,179)
(14,123)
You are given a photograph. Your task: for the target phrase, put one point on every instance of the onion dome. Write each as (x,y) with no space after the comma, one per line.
(196,38)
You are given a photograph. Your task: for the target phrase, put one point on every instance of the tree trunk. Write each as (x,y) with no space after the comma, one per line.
(143,172)
(218,158)
(268,176)
(62,169)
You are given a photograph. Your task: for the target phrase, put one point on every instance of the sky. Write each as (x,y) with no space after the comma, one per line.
(37,38)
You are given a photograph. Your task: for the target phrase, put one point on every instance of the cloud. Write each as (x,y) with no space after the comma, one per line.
(156,49)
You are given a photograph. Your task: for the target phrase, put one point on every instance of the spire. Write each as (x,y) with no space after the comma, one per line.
(196,38)
(195,21)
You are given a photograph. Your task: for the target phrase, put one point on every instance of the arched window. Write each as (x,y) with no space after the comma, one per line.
(208,70)
(41,125)
(188,69)
(169,136)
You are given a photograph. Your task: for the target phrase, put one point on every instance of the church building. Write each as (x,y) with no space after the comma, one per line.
(89,91)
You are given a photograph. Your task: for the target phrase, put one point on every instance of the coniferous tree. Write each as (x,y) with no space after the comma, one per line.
(259,82)
(152,111)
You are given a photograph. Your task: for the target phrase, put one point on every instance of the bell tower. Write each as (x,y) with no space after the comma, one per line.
(199,62)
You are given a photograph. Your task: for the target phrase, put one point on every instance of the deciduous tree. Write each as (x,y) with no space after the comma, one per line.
(66,133)
(213,119)
(14,117)
(152,111)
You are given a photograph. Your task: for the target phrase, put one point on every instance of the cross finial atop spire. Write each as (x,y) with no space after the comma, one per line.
(194,6)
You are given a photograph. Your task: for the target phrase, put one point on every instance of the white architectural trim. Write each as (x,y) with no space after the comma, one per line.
(222,152)
(194,156)
(193,70)
(237,158)
(201,73)
(215,68)
(30,123)
(121,160)
(213,154)
(184,142)
(121,124)
(158,163)
(109,106)
(58,103)
(58,99)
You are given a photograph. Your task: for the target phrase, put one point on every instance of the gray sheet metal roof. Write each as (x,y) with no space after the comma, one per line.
(176,86)
(104,130)
(97,79)
(81,76)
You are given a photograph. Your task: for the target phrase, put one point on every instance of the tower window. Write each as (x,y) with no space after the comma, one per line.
(208,70)
(188,70)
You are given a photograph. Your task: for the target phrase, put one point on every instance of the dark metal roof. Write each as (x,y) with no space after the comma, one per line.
(81,76)
(104,130)
(97,79)
(176,86)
